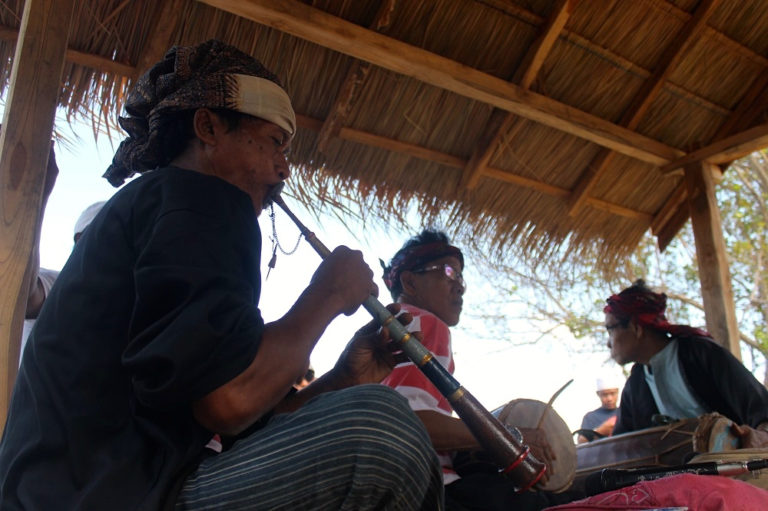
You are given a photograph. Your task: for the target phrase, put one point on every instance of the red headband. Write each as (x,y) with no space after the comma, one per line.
(647,308)
(413,257)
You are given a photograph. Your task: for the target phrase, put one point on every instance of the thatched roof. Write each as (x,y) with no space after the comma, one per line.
(532,124)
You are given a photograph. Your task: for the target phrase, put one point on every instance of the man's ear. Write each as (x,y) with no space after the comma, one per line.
(636,328)
(206,125)
(408,282)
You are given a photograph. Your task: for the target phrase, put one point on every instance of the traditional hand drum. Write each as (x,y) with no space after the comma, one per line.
(662,446)
(527,413)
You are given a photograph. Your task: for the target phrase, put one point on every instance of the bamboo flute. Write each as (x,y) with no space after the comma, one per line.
(505,447)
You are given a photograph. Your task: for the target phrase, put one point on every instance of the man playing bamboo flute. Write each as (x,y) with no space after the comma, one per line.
(425,277)
(679,370)
(151,342)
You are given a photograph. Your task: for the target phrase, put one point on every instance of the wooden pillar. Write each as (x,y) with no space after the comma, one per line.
(25,142)
(716,289)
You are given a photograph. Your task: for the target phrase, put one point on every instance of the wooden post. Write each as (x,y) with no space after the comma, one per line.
(714,274)
(25,142)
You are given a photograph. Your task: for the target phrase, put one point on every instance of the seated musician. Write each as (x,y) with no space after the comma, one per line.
(679,370)
(599,422)
(425,277)
(152,340)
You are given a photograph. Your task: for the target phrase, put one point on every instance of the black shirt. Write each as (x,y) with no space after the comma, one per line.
(714,376)
(155,308)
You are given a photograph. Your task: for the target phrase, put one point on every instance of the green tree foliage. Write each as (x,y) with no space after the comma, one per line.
(572,293)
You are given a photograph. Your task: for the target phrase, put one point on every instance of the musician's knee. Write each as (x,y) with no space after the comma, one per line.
(383,416)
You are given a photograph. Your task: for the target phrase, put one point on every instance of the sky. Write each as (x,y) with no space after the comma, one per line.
(495,371)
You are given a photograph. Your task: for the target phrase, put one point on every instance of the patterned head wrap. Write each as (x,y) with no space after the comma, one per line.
(412,256)
(647,308)
(209,75)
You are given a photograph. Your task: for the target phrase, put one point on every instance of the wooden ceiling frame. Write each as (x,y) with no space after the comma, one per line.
(348,91)
(449,160)
(336,34)
(161,36)
(643,99)
(674,214)
(498,126)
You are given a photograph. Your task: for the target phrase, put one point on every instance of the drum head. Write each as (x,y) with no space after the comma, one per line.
(526,413)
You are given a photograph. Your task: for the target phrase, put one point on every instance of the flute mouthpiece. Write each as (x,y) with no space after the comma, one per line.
(274,195)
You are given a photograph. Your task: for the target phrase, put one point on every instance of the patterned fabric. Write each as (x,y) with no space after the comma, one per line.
(647,308)
(413,257)
(409,381)
(377,457)
(202,76)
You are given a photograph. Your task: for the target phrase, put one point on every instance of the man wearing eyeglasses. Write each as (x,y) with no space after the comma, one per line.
(425,277)
(679,370)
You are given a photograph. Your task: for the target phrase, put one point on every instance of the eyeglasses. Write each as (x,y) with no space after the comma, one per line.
(448,270)
(620,324)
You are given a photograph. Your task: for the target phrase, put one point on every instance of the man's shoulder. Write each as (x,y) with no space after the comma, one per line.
(173,188)
(700,347)
(426,320)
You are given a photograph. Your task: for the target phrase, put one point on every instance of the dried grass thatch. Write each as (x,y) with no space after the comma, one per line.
(407,140)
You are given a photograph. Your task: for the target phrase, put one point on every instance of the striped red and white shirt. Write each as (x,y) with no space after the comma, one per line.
(409,381)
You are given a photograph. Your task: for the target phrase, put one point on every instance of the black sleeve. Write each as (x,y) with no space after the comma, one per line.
(195,324)
(637,406)
(722,382)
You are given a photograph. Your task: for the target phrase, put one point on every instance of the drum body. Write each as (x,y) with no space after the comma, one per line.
(530,413)
(661,446)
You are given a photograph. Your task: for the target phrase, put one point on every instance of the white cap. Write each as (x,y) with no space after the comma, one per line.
(87,216)
(606,383)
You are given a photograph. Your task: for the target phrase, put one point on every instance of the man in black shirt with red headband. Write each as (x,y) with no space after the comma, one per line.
(679,370)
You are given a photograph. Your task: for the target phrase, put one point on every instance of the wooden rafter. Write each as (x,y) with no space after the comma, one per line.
(96,62)
(501,121)
(722,39)
(161,35)
(449,160)
(725,150)
(351,83)
(644,98)
(534,19)
(314,25)
(673,215)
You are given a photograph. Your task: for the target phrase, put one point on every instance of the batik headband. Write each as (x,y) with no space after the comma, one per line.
(211,75)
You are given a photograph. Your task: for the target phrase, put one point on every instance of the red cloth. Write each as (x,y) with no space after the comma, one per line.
(694,492)
(647,308)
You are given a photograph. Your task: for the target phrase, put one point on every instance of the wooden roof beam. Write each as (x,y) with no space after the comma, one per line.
(644,98)
(674,214)
(96,62)
(415,151)
(501,121)
(161,36)
(731,44)
(725,150)
(534,19)
(314,25)
(349,87)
